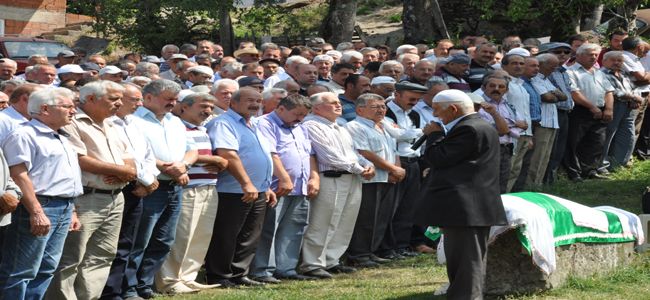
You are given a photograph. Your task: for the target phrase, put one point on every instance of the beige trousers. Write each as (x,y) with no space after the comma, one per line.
(89,252)
(332,215)
(193,234)
(543,139)
(523,143)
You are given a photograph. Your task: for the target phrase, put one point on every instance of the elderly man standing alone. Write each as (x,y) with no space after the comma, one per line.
(334,211)
(463,194)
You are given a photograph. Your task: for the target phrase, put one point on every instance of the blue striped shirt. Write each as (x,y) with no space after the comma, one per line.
(535,101)
(349,109)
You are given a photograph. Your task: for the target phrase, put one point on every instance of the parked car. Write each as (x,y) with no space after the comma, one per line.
(21,48)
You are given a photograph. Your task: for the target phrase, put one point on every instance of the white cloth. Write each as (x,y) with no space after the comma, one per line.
(139,147)
(630,223)
(408,133)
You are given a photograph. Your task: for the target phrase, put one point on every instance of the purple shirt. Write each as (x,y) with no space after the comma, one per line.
(292,145)
(507,112)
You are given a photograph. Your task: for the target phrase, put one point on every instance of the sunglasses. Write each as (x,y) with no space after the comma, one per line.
(561,52)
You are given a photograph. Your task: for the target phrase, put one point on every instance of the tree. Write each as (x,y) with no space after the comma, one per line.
(338,25)
(423,21)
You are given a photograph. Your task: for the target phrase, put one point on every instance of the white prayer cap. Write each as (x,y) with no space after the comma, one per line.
(202,69)
(184,93)
(451,96)
(333,53)
(382,79)
(519,51)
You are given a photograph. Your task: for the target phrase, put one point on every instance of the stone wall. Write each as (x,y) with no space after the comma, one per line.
(510,270)
(32,17)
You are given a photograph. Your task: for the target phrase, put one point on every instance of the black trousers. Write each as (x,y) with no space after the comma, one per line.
(377,200)
(466,254)
(504,166)
(559,147)
(585,143)
(398,234)
(237,231)
(116,284)
(642,146)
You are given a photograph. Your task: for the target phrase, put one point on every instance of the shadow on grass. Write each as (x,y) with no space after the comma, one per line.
(419,296)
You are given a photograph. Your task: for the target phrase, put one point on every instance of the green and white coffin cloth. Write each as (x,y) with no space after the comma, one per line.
(544,222)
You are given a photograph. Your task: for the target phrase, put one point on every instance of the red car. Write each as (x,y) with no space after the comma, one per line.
(21,48)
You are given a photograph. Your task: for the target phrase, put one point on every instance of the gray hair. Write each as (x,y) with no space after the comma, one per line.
(170,46)
(269,45)
(293,101)
(219,84)
(611,54)
(38,67)
(545,58)
(296,59)
(403,48)
(9,62)
(271,92)
(347,55)
(140,79)
(317,98)
(584,48)
(147,69)
(233,67)
(432,83)
(198,97)
(283,84)
(98,88)
(344,46)
(390,63)
(401,57)
(13,82)
(367,49)
(159,86)
(48,96)
(363,99)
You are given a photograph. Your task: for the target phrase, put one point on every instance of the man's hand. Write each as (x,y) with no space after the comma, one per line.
(284,187)
(8,203)
(40,223)
(608,115)
(128,174)
(399,173)
(313,187)
(521,124)
(152,187)
(216,165)
(431,127)
(368,173)
(139,191)
(75,224)
(489,108)
(183,180)
(250,193)
(271,198)
(174,169)
(596,112)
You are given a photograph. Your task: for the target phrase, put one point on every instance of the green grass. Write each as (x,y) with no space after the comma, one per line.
(419,277)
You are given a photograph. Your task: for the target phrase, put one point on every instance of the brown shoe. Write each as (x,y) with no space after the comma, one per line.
(424,249)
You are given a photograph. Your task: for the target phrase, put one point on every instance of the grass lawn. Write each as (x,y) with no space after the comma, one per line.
(419,277)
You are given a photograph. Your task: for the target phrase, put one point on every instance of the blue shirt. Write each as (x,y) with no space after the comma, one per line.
(230,131)
(10,119)
(535,101)
(293,147)
(560,79)
(51,162)
(367,137)
(167,137)
(349,109)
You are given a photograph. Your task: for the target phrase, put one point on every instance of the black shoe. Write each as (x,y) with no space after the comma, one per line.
(224,283)
(408,253)
(318,273)
(595,175)
(338,269)
(378,259)
(295,277)
(267,279)
(576,179)
(148,294)
(244,280)
(364,264)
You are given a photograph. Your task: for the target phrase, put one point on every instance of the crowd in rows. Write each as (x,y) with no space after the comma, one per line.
(278,163)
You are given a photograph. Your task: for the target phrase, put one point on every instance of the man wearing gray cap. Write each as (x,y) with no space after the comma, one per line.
(65,57)
(452,72)
(462,196)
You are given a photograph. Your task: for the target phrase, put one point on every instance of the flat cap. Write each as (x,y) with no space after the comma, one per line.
(111,70)
(410,86)
(273,60)
(382,79)
(89,66)
(70,68)
(66,53)
(458,58)
(202,69)
(546,47)
(248,81)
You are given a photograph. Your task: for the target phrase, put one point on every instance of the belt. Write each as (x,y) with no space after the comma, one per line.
(166,183)
(89,190)
(43,197)
(409,159)
(334,173)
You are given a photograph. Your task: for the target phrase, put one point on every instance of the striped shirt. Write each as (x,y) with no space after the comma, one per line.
(549,110)
(199,176)
(518,97)
(454,82)
(535,100)
(349,109)
(560,80)
(333,146)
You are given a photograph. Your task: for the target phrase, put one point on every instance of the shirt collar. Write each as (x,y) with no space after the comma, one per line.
(320,119)
(453,123)
(273,116)
(41,127)
(421,104)
(364,121)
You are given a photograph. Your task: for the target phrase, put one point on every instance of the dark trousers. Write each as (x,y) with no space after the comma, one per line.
(116,284)
(557,155)
(466,254)
(504,166)
(585,143)
(642,130)
(398,234)
(237,231)
(520,183)
(374,215)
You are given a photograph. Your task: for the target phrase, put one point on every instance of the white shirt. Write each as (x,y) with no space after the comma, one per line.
(139,147)
(592,85)
(518,97)
(10,119)
(368,137)
(271,81)
(333,146)
(406,134)
(632,63)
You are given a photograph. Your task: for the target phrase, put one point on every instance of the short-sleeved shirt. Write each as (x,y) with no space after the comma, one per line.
(199,176)
(632,63)
(549,110)
(368,137)
(98,141)
(137,146)
(560,79)
(10,119)
(593,84)
(292,145)
(230,131)
(167,136)
(51,161)
(507,112)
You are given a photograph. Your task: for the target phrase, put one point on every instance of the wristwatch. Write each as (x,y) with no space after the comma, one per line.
(187,166)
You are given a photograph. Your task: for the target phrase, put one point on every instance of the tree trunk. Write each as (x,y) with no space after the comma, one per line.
(338,25)
(626,18)
(439,20)
(593,19)
(417,21)
(225,28)
(560,31)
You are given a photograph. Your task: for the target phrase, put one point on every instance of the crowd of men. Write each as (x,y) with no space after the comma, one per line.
(123,180)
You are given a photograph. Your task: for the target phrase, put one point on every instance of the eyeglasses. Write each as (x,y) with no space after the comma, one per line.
(65,106)
(377,106)
(561,52)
